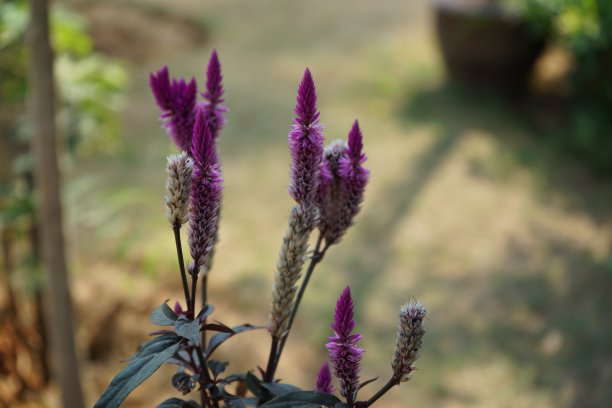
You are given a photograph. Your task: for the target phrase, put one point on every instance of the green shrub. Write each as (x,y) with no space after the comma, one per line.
(584,28)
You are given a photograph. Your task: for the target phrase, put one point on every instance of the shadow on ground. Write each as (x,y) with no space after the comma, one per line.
(546,308)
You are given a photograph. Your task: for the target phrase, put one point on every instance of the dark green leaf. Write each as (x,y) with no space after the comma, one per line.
(254,385)
(304,399)
(217,367)
(144,363)
(278,389)
(218,339)
(156,345)
(234,377)
(163,315)
(206,311)
(189,329)
(178,403)
(237,402)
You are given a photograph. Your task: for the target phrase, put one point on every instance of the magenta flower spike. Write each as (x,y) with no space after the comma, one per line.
(206,188)
(344,353)
(215,112)
(324,380)
(342,185)
(354,175)
(305,145)
(177,101)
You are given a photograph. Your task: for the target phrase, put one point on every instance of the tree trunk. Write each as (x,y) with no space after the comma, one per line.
(42,105)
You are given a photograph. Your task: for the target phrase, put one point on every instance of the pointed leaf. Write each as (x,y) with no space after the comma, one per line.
(155,346)
(178,403)
(234,377)
(303,399)
(278,389)
(218,327)
(236,402)
(206,311)
(150,357)
(363,384)
(163,315)
(189,329)
(218,339)
(254,385)
(217,367)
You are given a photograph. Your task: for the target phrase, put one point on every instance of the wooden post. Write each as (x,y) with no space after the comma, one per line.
(42,115)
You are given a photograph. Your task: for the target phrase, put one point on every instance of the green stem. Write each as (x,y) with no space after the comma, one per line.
(179,252)
(390,384)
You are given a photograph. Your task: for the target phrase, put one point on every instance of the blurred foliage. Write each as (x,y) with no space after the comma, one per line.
(90,85)
(90,90)
(584,28)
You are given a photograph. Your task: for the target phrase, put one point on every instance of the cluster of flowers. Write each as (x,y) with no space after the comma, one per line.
(327,184)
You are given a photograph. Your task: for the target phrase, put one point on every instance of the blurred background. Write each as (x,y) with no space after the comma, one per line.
(488,127)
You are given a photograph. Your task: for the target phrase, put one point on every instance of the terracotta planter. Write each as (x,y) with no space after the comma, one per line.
(484,47)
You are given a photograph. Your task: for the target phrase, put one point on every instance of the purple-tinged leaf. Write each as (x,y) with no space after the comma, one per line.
(303,399)
(178,403)
(206,311)
(189,329)
(237,402)
(163,315)
(144,363)
(161,332)
(255,385)
(218,327)
(278,389)
(217,367)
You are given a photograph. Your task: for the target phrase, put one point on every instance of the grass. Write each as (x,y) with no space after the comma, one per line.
(507,244)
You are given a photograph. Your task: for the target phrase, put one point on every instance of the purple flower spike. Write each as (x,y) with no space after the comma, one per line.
(305,145)
(344,353)
(215,112)
(324,380)
(342,185)
(355,144)
(177,101)
(306,108)
(206,191)
(351,165)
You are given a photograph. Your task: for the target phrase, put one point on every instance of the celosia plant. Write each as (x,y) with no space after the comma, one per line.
(328,186)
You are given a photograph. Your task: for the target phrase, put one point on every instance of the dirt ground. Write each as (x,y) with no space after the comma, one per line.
(506,242)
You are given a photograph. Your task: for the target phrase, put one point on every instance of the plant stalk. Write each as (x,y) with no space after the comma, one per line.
(390,384)
(204,372)
(269,377)
(179,253)
(204,291)
(194,286)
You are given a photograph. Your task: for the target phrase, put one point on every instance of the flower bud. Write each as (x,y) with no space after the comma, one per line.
(178,188)
(409,339)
